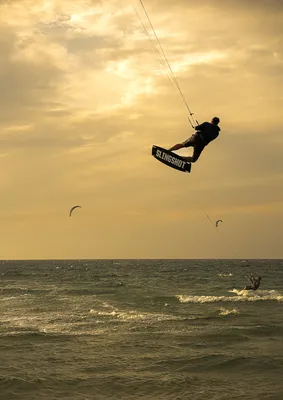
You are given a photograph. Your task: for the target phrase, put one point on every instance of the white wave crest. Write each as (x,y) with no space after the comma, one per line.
(224,311)
(242,295)
(134,315)
(259,294)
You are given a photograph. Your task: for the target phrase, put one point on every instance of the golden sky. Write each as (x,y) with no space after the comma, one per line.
(84,97)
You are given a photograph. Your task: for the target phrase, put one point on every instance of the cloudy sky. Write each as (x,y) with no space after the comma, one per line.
(84,95)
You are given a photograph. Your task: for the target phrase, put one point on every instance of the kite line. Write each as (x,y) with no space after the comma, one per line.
(191,118)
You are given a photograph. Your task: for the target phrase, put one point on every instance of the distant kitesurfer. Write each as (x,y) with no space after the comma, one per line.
(255,283)
(206,132)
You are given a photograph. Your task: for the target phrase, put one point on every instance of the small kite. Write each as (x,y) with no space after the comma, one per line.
(72,209)
(217,222)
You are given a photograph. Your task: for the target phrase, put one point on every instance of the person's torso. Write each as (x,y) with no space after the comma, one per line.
(208,132)
(256,283)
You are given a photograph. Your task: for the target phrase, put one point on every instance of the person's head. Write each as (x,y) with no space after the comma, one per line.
(215,120)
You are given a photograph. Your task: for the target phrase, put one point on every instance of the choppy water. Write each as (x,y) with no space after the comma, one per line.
(137,329)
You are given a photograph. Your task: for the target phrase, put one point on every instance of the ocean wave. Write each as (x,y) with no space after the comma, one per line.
(241,296)
(13,383)
(135,315)
(223,311)
(258,294)
(92,322)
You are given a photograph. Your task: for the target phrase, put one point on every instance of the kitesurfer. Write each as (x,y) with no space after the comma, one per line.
(255,283)
(205,133)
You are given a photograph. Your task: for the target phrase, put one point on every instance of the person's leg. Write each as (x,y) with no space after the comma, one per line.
(176,147)
(197,152)
(188,143)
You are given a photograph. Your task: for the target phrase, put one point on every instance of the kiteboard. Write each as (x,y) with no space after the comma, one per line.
(171,159)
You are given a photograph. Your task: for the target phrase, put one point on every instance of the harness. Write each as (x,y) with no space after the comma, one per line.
(202,138)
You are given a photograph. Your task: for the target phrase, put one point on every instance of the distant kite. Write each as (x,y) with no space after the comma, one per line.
(217,222)
(72,209)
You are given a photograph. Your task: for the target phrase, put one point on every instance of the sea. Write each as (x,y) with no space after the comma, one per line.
(140,329)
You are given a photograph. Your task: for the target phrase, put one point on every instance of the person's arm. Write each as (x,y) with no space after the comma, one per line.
(199,127)
(252,279)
